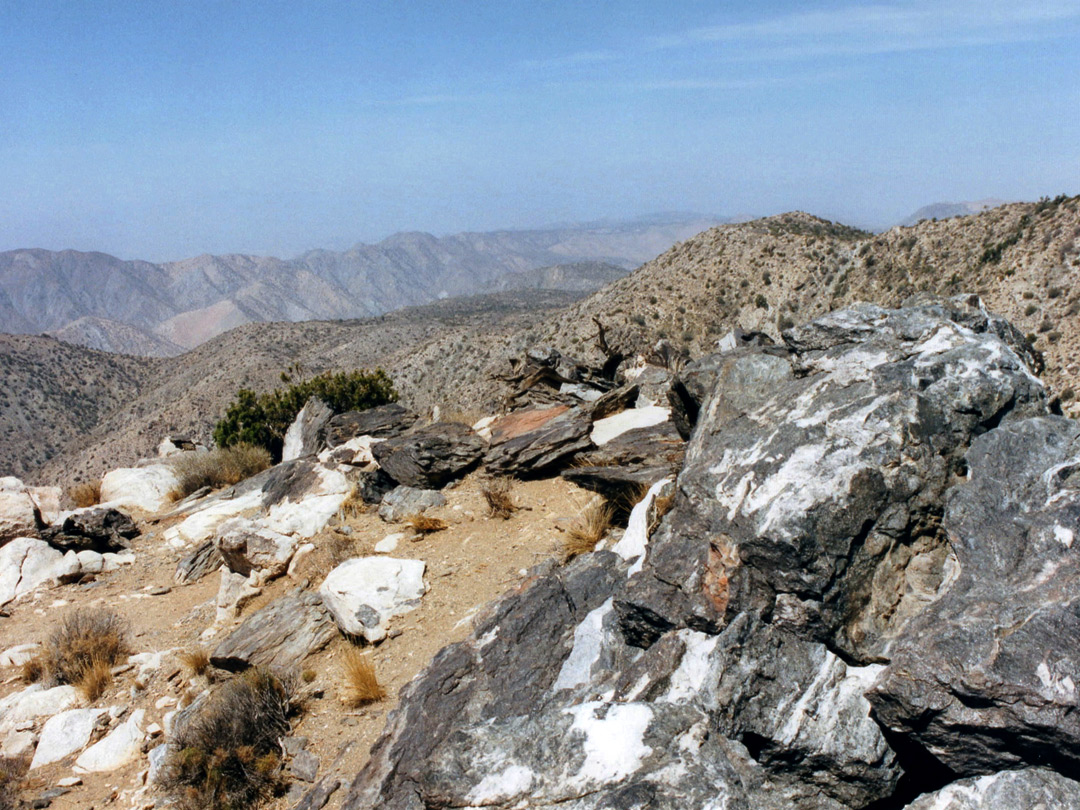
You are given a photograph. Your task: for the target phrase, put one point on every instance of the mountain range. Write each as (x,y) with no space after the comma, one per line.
(1023,259)
(139,307)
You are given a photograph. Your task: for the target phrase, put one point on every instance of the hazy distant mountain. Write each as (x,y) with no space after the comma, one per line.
(116,337)
(576,277)
(945,210)
(188,302)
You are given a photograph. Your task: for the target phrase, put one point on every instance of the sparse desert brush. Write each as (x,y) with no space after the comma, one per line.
(353,505)
(85,494)
(226,754)
(587,529)
(32,670)
(196,660)
(221,467)
(83,649)
(497,494)
(360,683)
(424,525)
(12,770)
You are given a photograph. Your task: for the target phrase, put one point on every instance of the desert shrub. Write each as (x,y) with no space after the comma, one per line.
(262,419)
(1031,309)
(83,649)
(85,494)
(12,770)
(497,494)
(226,754)
(587,530)
(359,682)
(220,467)
(424,525)
(760,302)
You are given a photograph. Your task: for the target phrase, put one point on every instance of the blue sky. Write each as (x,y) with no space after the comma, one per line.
(161,130)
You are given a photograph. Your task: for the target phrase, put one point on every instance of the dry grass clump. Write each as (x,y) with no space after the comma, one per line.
(226,754)
(497,494)
(82,650)
(354,505)
(12,771)
(360,683)
(221,467)
(587,530)
(85,494)
(196,660)
(424,525)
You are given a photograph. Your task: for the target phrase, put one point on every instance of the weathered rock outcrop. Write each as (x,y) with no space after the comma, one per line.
(381,422)
(430,457)
(281,635)
(306,436)
(19,514)
(724,658)
(95,529)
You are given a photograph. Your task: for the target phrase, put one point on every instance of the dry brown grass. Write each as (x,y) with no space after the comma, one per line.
(221,467)
(226,755)
(85,494)
(587,530)
(360,682)
(353,506)
(497,494)
(95,680)
(32,671)
(83,649)
(196,660)
(12,771)
(424,525)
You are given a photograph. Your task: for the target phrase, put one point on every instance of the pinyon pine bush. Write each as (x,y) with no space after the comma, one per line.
(262,419)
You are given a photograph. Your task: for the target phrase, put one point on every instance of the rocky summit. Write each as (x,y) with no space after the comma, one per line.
(832,571)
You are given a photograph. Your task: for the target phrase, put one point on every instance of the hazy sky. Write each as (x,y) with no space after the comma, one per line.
(166,129)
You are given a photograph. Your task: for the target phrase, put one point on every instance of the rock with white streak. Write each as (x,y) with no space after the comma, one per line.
(64,734)
(611,427)
(306,436)
(33,702)
(121,746)
(150,488)
(300,497)
(1032,789)
(364,593)
(19,513)
(246,546)
(26,564)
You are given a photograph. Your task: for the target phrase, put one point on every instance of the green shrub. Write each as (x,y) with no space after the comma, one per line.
(262,419)
(221,467)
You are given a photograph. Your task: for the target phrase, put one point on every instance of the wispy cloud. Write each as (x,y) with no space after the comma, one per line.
(879,28)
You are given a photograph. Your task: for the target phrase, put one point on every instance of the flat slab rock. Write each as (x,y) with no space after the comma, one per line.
(403,501)
(381,422)
(281,635)
(431,456)
(554,440)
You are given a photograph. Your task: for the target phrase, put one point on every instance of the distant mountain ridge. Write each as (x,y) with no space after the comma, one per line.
(946,210)
(157,309)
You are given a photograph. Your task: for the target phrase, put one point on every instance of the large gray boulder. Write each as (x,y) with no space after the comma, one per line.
(430,457)
(987,677)
(280,635)
(19,514)
(94,528)
(721,655)
(381,422)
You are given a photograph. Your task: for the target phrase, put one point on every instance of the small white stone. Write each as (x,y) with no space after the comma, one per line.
(389,543)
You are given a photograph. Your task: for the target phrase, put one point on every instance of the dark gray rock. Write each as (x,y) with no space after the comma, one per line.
(820,490)
(402,502)
(540,450)
(98,529)
(206,559)
(318,796)
(381,422)
(299,479)
(281,635)
(304,766)
(722,656)
(1033,789)
(306,436)
(371,485)
(430,457)
(987,677)
(633,459)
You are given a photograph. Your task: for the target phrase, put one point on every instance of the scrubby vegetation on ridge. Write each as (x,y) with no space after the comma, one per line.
(82,650)
(220,467)
(262,419)
(226,754)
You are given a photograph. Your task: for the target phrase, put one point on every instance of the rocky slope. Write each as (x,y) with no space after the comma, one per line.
(188,302)
(848,582)
(1023,259)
